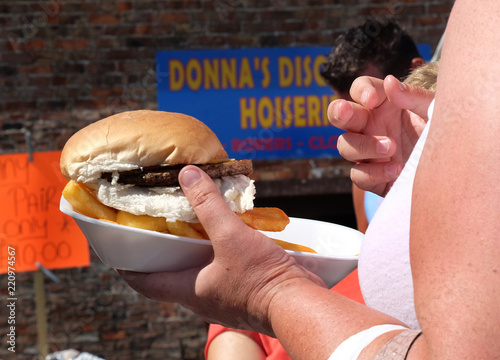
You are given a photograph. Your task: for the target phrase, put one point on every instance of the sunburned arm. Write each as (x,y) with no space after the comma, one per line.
(311,321)
(455,242)
(455,246)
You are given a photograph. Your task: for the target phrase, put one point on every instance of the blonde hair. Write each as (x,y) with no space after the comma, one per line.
(424,76)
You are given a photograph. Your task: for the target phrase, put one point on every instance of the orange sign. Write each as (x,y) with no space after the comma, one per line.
(32,229)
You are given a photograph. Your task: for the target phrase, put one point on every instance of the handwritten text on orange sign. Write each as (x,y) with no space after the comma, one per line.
(30,220)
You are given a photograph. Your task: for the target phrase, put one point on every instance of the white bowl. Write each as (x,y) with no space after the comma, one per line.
(133,249)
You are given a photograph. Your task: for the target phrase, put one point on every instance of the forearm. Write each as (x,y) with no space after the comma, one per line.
(311,321)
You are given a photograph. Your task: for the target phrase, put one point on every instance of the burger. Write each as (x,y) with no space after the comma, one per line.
(124,169)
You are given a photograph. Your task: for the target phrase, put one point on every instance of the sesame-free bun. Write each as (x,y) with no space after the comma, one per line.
(135,139)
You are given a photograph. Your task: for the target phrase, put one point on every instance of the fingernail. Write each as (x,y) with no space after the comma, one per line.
(364,97)
(402,86)
(336,111)
(391,170)
(383,146)
(190,177)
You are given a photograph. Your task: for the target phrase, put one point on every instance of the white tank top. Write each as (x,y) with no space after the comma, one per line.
(384,264)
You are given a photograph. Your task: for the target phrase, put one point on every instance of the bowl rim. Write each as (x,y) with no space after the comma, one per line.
(66,208)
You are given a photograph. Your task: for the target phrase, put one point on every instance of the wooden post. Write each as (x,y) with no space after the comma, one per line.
(41,315)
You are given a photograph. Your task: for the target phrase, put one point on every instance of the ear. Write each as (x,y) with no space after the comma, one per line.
(416,62)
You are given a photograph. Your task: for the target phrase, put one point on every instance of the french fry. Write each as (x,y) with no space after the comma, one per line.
(265,219)
(295,247)
(142,221)
(198,227)
(271,219)
(182,228)
(86,203)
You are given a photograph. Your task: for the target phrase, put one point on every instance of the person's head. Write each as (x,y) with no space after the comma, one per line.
(424,76)
(374,49)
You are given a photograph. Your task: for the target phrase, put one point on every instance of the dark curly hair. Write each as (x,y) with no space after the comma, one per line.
(384,45)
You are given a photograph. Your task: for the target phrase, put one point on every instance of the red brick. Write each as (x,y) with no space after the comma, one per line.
(428,21)
(100,92)
(107,43)
(104,19)
(53,20)
(90,104)
(440,9)
(72,44)
(250,28)
(207,40)
(35,69)
(123,6)
(119,30)
(50,8)
(41,81)
(34,44)
(119,335)
(19,106)
(142,29)
(100,67)
(129,67)
(243,40)
(63,115)
(172,18)
(59,80)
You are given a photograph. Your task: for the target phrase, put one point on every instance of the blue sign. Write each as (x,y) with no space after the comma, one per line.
(267,103)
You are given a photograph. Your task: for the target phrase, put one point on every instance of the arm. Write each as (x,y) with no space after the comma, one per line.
(253,284)
(454,234)
(235,344)
(455,243)
(358,201)
(455,248)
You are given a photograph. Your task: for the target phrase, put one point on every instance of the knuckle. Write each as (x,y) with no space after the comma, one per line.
(201,198)
(367,176)
(365,147)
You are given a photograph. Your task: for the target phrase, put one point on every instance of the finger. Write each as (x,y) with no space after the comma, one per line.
(375,177)
(358,147)
(347,115)
(218,220)
(368,91)
(165,286)
(410,97)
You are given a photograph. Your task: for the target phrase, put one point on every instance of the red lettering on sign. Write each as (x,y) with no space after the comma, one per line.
(320,143)
(262,144)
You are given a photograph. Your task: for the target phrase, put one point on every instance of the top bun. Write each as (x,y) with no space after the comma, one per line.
(136,139)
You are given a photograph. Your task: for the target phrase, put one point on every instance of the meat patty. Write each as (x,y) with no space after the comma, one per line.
(168,175)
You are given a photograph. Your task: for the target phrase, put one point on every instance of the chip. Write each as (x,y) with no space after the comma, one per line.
(265,218)
(182,228)
(294,247)
(86,203)
(142,221)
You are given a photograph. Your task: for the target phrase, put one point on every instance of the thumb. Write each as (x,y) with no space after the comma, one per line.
(218,220)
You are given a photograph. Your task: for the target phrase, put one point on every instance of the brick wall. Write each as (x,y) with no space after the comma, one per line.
(92,309)
(67,63)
